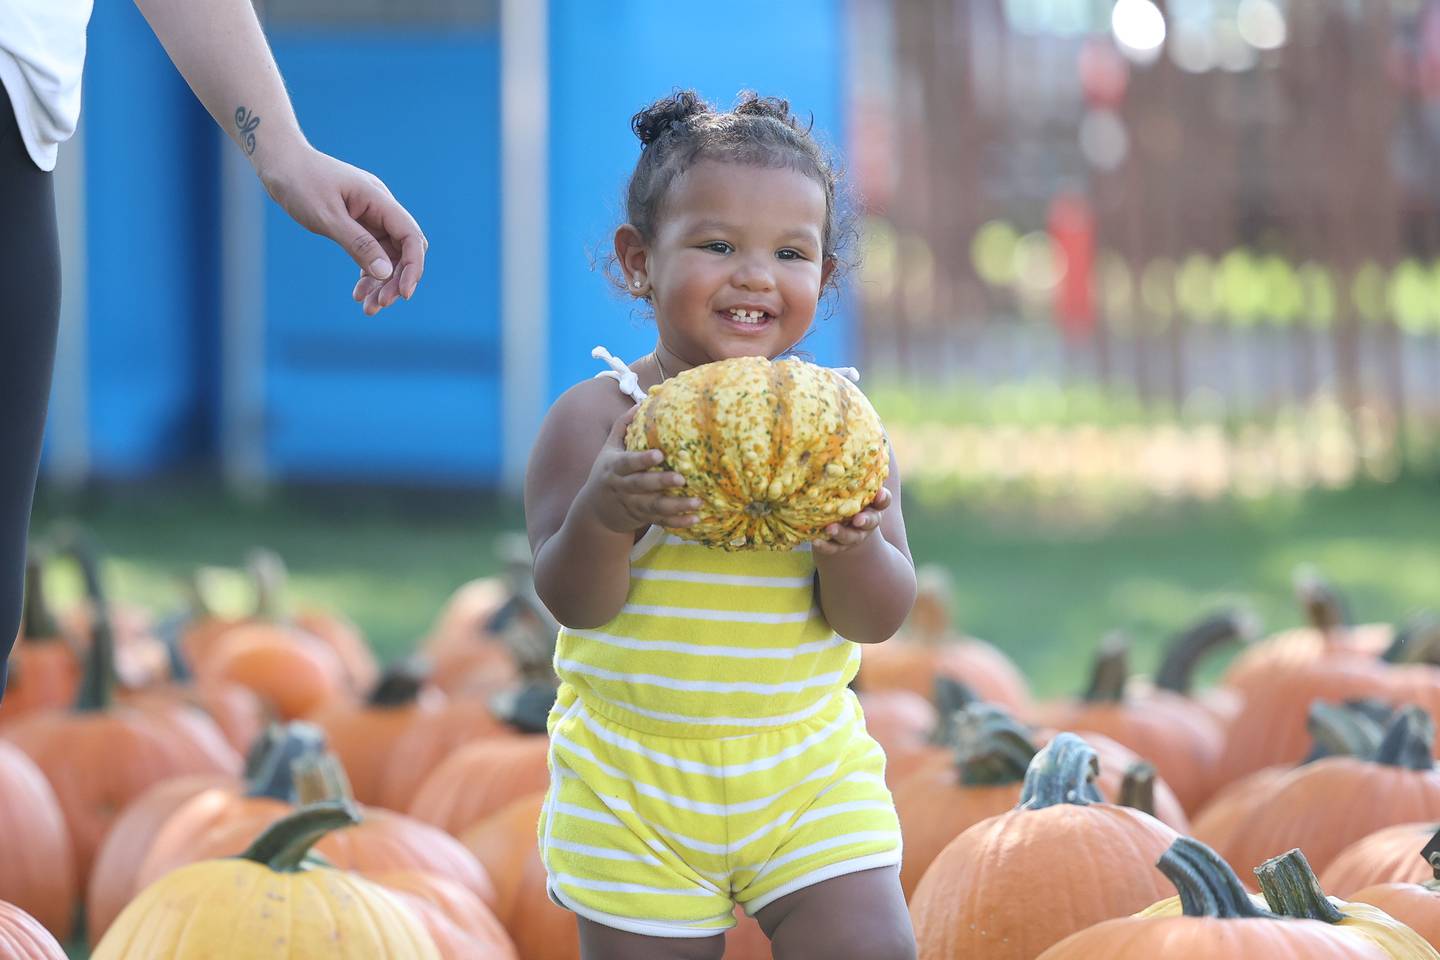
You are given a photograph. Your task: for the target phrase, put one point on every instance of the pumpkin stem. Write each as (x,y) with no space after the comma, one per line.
(992,748)
(1064,771)
(1112,668)
(1207,885)
(1324,608)
(320,777)
(1137,790)
(1431,855)
(260,749)
(1417,641)
(1342,730)
(272,776)
(37,621)
(1292,889)
(1177,670)
(97,684)
(527,707)
(267,570)
(1409,740)
(284,844)
(400,684)
(951,698)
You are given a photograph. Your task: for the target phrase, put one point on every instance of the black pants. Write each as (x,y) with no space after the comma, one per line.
(29,318)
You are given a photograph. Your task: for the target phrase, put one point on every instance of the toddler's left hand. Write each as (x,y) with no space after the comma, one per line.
(844,537)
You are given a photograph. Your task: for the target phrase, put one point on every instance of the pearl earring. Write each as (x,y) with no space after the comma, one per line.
(636,284)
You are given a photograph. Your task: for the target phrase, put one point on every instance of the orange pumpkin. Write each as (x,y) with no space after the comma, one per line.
(22,937)
(112,879)
(1181,738)
(1208,924)
(1417,905)
(37,868)
(45,663)
(461,925)
(1183,654)
(1390,855)
(966,905)
(479,779)
(359,668)
(268,794)
(430,738)
(364,735)
(928,646)
(99,757)
(1324,806)
(462,644)
(505,845)
(384,840)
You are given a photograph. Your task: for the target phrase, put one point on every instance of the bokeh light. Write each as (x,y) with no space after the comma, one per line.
(1139,29)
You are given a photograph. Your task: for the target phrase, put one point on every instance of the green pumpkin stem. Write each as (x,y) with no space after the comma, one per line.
(1291,889)
(992,748)
(284,845)
(1111,670)
(1063,772)
(273,773)
(950,695)
(97,683)
(527,707)
(1342,730)
(1431,855)
(1177,670)
(1208,887)
(1324,608)
(1137,790)
(320,777)
(37,621)
(400,684)
(1409,740)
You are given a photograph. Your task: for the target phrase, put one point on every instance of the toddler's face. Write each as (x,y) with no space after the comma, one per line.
(736,267)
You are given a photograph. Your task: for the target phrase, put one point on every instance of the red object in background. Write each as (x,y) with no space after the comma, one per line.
(1072,230)
(1104,74)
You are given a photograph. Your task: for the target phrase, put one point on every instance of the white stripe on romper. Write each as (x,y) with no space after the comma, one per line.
(702,650)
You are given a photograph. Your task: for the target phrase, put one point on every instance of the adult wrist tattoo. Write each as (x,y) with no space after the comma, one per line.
(245,126)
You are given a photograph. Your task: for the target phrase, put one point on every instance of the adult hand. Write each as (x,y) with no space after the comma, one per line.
(352,207)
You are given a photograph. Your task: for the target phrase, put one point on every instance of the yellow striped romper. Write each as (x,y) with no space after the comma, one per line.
(705,748)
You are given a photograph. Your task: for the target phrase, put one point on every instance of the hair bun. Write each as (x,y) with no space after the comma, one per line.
(664,114)
(754,105)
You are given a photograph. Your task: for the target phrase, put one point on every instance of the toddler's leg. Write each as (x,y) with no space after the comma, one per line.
(599,942)
(855,916)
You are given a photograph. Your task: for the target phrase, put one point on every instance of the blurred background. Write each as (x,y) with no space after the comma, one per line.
(1147,292)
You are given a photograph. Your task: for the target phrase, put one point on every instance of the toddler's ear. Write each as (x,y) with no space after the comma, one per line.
(827,270)
(632,255)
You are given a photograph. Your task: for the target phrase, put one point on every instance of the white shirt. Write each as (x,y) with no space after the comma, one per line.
(42,58)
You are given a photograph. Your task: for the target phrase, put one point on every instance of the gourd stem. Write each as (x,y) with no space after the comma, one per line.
(1207,885)
(37,622)
(1112,668)
(1341,730)
(1409,740)
(273,776)
(400,684)
(1291,889)
(1177,670)
(319,777)
(1137,790)
(992,748)
(1063,772)
(283,846)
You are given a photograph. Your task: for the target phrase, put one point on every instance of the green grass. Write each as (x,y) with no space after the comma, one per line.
(1042,580)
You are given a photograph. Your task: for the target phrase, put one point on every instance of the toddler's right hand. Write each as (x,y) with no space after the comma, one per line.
(625,494)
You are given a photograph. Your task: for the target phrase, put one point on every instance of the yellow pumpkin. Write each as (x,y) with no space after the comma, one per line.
(269,903)
(774,450)
(1291,889)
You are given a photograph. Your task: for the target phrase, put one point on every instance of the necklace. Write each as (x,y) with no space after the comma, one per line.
(663,375)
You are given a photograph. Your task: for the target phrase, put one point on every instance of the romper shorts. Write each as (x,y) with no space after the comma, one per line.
(663,835)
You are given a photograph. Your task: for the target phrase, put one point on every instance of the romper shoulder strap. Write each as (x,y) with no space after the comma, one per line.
(623,376)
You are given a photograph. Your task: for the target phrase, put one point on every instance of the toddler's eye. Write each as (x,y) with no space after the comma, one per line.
(789,254)
(718,246)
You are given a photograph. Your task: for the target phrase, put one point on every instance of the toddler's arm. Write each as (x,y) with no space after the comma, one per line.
(585,499)
(866,578)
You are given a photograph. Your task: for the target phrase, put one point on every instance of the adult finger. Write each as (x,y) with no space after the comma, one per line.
(385,219)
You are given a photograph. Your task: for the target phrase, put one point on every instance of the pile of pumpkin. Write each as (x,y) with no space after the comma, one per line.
(150,769)
(391,809)
(1308,767)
